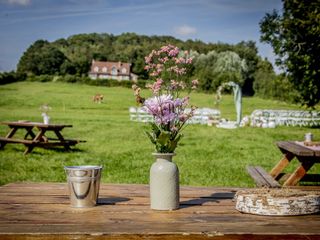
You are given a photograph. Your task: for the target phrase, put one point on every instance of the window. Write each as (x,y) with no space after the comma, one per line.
(104,69)
(124,71)
(96,69)
(114,70)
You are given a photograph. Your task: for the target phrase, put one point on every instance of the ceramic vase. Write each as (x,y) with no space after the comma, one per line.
(164,183)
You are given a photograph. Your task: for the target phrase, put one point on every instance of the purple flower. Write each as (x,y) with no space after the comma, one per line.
(178,102)
(162,108)
(167,66)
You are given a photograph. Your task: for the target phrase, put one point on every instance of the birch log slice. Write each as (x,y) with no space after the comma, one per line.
(278,202)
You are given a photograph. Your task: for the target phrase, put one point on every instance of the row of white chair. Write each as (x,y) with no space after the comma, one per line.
(201,115)
(263,117)
(139,114)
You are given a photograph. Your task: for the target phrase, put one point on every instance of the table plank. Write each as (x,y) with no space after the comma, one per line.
(22,124)
(42,210)
(294,148)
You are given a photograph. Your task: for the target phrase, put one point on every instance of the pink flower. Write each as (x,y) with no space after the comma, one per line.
(174,52)
(174,85)
(194,83)
(156,87)
(147,59)
(155,73)
(182,85)
(179,60)
(189,60)
(183,117)
(185,101)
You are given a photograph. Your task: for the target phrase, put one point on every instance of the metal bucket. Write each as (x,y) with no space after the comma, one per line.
(83,184)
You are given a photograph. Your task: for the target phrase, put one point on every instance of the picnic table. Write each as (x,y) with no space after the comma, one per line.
(35,135)
(43,211)
(307,157)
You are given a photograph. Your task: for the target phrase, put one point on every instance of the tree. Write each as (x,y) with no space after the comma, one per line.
(294,36)
(248,51)
(41,58)
(263,79)
(204,70)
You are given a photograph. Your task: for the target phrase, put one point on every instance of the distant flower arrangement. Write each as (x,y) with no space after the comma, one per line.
(45,108)
(167,66)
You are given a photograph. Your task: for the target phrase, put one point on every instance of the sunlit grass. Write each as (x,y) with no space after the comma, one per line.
(207,156)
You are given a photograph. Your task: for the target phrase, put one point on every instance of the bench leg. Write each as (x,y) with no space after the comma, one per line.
(298,174)
(29,149)
(2,144)
(9,135)
(61,138)
(281,165)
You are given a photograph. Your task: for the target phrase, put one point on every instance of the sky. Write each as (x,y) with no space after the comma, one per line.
(22,22)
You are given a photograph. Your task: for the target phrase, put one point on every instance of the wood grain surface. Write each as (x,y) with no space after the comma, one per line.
(42,211)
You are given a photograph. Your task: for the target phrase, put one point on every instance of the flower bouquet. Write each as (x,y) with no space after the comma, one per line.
(45,108)
(167,67)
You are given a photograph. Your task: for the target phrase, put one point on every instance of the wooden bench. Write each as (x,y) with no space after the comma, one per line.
(14,140)
(69,142)
(30,144)
(261,177)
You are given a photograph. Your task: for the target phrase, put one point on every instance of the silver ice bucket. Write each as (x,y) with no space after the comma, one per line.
(83,185)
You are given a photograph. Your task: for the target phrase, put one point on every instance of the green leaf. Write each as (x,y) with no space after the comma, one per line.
(163,138)
(151,137)
(174,143)
(155,129)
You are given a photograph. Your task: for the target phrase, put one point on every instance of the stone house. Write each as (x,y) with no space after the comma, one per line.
(111,70)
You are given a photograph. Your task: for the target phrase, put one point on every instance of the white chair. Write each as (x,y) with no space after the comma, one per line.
(144,116)
(133,113)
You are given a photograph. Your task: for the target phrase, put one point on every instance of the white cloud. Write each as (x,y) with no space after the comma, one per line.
(19,2)
(185,30)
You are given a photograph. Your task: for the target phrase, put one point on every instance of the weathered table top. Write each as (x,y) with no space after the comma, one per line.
(42,211)
(298,149)
(18,124)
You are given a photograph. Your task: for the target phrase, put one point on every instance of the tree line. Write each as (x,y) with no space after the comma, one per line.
(293,34)
(214,63)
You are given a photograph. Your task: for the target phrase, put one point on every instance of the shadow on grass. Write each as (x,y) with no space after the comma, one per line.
(17,149)
(58,150)
(213,198)
(62,150)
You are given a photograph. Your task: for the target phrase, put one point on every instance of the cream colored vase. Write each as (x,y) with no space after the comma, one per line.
(164,183)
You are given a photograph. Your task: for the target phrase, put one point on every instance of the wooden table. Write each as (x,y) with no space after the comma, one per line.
(34,139)
(42,211)
(307,157)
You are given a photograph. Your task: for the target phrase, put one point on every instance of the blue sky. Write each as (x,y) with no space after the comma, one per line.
(24,21)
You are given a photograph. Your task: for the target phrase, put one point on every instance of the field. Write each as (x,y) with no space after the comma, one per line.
(207,156)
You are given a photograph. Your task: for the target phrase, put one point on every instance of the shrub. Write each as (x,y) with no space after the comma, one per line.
(10,77)
(40,78)
(275,87)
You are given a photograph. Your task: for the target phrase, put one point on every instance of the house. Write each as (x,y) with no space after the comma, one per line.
(111,70)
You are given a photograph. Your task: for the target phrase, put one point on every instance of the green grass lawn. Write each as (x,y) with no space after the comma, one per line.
(207,156)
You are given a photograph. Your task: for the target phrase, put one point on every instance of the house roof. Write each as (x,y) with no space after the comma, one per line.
(100,67)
